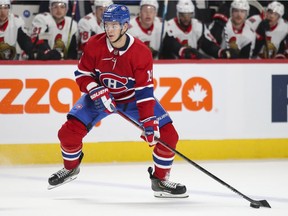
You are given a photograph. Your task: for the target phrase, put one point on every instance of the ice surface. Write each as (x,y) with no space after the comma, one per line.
(124,189)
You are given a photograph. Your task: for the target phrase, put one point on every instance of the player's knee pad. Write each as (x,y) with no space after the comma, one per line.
(169,135)
(71,134)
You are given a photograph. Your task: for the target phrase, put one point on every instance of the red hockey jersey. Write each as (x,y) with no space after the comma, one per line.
(128,74)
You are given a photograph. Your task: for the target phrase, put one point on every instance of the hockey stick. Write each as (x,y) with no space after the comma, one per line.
(253,203)
(165,8)
(71,24)
(260,8)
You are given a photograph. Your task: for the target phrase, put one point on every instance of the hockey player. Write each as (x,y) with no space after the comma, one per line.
(92,23)
(53,33)
(188,38)
(12,32)
(116,76)
(147,26)
(271,31)
(237,33)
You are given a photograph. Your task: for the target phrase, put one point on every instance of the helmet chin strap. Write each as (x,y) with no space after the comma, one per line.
(120,36)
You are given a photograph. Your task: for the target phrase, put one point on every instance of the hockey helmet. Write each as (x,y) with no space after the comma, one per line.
(59,1)
(276,7)
(5,2)
(153,3)
(102,3)
(185,6)
(116,13)
(240,4)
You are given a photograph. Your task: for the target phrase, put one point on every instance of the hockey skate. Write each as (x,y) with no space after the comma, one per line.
(63,176)
(165,188)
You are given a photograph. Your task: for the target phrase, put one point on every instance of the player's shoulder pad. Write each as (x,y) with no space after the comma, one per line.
(84,24)
(97,37)
(196,22)
(94,40)
(43,18)
(158,19)
(87,17)
(254,18)
(18,20)
(74,23)
(141,45)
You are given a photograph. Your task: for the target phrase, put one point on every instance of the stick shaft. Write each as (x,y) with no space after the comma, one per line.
(205,171)
(260,8)
(189,161)
(71,24)
(165,8)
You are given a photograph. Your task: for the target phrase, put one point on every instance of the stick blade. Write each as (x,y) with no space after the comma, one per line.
(258,204)
(264,203)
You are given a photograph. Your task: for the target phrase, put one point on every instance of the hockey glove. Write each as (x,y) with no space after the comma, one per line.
(103,99)
(43,52)
(151,130)
(228,54)
(189,53)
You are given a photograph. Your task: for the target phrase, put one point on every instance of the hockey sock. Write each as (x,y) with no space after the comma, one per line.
(162,157)
(70,135)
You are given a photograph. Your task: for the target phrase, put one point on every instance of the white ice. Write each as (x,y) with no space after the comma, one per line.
(124,189)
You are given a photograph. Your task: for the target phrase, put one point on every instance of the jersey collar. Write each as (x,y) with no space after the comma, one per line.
(4,26)
(187,29)
(120,52)
(147,31)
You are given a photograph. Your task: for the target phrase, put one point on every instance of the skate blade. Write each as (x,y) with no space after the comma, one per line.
(168,195)
(67,180)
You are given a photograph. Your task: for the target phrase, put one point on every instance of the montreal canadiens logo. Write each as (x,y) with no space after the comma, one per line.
(116,84)
(78,106)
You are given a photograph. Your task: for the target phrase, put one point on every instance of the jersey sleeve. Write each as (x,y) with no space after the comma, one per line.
(20,25)
(39,25)
(84,75)
(254,21)
(19,22)
(84,30)
(144,87)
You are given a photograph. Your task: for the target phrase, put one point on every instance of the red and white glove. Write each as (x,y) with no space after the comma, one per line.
(103,99)
(189,53)
(151,130)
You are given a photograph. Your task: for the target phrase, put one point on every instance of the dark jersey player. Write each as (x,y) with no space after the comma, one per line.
(116,77)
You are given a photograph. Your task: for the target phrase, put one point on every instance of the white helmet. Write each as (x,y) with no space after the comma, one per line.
(59,1)
(240,4)
(185,6)
(153,3)
(276,7)
(5,2)
(102,3)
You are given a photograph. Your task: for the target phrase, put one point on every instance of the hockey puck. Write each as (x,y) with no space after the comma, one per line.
(254,205)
